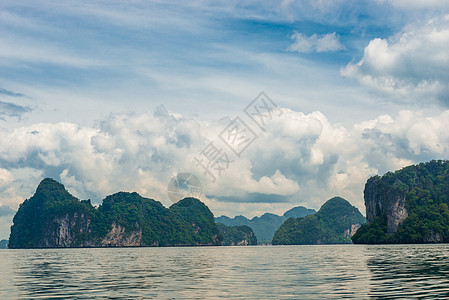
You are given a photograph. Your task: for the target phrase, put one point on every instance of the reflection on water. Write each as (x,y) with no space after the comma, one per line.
(409,270)
(240,272)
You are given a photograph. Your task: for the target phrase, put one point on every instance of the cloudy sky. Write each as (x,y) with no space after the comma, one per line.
(106,96)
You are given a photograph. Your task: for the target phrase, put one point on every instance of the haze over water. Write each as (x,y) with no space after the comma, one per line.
(332,271)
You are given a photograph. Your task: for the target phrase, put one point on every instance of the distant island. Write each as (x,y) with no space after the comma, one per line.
(408,206)
(3,244)
(335,223)
(266,225)
(53,218)
(237,235)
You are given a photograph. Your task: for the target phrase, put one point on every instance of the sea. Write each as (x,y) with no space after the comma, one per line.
(249,272)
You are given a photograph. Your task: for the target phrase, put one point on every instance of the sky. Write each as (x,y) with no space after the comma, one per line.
(108,96)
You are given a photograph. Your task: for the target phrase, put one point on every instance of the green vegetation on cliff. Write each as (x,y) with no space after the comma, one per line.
(407,206)
(33,222)
(334,223)
(237,235)
(54,218)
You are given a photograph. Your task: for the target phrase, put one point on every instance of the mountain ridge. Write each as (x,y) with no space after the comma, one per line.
(266,225)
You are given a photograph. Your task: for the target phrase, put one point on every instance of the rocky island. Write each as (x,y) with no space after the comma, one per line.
(53,218)
(407,206)
(335,223)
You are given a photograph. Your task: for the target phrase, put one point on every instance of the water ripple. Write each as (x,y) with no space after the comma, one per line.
(289,272)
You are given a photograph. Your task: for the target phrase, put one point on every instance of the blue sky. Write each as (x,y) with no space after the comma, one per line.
(192,57)
(92,91)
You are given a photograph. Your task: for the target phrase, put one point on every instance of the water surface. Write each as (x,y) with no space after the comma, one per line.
(351,271)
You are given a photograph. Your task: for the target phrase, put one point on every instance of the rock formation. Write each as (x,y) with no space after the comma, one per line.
(381,199)
(410,205)
(53,218)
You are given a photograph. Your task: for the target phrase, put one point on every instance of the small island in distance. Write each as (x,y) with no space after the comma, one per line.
(3,244)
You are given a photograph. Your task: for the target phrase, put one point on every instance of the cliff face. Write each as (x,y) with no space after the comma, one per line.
(410,205)
(63,231)
(351,231)
(117,237)
(383,200)
(53,218)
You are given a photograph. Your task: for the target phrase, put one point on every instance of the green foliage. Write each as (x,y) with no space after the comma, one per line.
(426,190)
(339,214)
(188,222)
(198,220)
(330,225)
(36,214)
(373,234)
(301,231)
(237,235)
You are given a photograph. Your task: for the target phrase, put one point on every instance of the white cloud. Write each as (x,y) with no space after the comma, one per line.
(411,66)
(315,43)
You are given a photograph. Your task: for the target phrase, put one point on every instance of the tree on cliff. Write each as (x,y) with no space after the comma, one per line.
(407,206)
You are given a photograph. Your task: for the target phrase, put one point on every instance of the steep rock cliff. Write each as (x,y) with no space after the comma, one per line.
(118,237)
(407,206)
(383,199)
(63,231)
(53,218)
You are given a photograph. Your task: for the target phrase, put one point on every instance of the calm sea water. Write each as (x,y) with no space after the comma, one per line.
(352,271)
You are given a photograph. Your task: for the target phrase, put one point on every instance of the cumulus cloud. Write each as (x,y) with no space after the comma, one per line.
(123,153)
(315,43)
(412,65)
